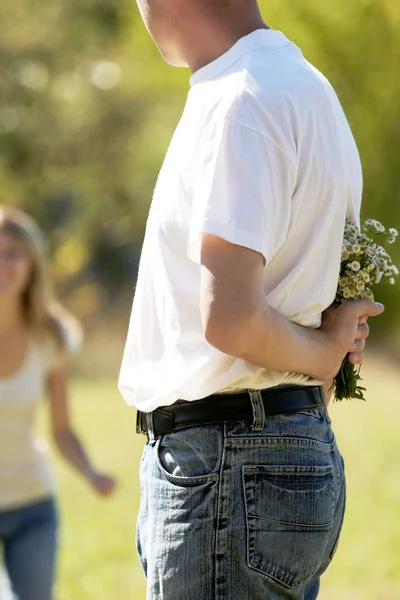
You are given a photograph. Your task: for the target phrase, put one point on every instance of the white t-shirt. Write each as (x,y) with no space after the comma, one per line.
(263,157)
(25,470)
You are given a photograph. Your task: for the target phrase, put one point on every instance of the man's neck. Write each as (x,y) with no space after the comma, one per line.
(216,44)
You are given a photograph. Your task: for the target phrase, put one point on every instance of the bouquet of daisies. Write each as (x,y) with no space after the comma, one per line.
(365,263)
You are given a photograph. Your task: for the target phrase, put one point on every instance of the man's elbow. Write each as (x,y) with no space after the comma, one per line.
(229,336)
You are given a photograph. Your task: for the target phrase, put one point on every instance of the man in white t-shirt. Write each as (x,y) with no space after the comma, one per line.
(230,339)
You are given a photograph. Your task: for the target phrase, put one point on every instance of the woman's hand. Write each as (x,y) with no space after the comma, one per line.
(103,485)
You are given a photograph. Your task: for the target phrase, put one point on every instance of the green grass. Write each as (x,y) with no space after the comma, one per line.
(98,557)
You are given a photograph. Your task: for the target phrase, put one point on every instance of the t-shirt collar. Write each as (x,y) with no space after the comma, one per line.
(264,37)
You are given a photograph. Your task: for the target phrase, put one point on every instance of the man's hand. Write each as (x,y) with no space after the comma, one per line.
(347,329)
(356,350)
(356,353)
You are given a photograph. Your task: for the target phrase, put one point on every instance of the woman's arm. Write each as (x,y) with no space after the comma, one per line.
(66,440)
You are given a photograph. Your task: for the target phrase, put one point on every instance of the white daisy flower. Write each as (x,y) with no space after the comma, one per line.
(370,224)
(356,249)
(378,277)
(346,293)
(345,255)
(393,232)
(391,281)
(366,277)
(355,265)
(395,270)
(360,286)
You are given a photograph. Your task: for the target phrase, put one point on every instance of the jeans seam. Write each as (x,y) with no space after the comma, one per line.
(336,543)
(240,441)
(217,527)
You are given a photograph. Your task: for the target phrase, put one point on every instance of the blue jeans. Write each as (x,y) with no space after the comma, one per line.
(28,536)
(241,511)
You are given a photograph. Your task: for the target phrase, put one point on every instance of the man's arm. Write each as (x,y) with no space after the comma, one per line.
(238,321)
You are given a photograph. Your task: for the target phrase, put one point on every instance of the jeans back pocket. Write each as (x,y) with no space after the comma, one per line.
(289,516)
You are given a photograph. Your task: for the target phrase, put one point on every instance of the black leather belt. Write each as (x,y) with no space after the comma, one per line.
(220,408)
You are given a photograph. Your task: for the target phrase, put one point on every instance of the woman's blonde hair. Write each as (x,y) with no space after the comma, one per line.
(43,314)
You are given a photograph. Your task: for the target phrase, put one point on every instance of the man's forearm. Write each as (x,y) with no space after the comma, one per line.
(237,320)
(276,343)
(269,340)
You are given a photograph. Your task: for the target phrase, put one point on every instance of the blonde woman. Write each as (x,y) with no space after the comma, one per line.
(36,337)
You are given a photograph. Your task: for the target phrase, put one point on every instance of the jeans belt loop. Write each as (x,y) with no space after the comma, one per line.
(150,426)
(258,410)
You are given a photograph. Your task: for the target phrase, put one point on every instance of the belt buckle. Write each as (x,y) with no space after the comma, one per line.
(139,428)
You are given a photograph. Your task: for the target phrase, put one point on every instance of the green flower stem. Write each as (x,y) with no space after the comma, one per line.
(345,385)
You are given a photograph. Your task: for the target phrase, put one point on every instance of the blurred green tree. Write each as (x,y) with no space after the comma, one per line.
(87,108)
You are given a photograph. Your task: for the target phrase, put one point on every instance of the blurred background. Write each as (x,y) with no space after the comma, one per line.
(87,109)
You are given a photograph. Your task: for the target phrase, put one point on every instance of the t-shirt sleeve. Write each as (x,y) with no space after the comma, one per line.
(243,189)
